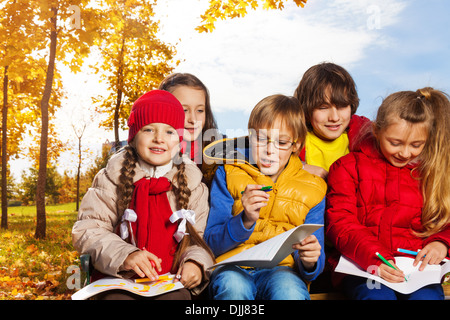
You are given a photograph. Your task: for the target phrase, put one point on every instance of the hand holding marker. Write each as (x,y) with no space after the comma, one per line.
(414,253)
(387,262)
(265,189)
(160,278)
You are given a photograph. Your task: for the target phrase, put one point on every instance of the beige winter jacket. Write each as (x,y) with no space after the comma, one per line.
(94,234)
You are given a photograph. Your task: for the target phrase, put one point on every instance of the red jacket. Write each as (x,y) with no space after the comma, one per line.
(373,206)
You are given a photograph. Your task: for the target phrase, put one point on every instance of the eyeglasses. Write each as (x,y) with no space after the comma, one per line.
(262,141)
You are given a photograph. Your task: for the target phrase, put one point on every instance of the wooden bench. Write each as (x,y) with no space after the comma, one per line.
(340,296)
(328,296)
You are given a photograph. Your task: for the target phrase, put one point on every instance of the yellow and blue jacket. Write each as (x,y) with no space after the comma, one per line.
(296,198)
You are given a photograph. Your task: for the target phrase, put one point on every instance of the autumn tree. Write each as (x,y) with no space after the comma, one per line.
(224,9)
(69,44)
(134,60)
(21,74)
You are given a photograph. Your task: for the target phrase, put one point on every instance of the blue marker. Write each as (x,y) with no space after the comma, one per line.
(414,253)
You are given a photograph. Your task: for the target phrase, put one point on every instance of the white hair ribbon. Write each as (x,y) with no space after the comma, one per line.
(186,215)
(128,216)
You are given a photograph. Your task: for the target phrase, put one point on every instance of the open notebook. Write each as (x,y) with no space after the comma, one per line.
(415,279)
(147,289)
(270,253)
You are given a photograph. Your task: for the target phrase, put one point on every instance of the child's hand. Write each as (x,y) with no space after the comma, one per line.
(253,199)
(309,251)
(432,253)
(140,262)
(316,170)
(190,275)
(389,274)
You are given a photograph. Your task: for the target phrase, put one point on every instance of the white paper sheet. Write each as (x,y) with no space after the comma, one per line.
(415,279)
(147,289)
(270,253)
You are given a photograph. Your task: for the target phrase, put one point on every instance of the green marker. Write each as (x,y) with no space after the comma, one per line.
(265,189)
(387,262)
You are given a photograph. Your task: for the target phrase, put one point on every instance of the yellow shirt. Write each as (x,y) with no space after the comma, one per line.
(323,153)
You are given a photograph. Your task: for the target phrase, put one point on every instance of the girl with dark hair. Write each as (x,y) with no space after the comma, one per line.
(200,127)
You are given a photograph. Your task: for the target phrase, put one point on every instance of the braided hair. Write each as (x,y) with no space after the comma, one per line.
(182,194)
(125,187)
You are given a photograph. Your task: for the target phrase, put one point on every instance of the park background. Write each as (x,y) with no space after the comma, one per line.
(242,50)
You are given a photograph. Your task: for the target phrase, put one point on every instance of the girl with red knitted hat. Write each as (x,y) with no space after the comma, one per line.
(146,211)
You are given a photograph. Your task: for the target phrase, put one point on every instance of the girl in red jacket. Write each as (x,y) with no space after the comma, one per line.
(393,192)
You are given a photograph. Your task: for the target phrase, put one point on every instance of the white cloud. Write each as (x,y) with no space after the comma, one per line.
(244,60)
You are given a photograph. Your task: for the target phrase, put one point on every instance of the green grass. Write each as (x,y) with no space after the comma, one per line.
(31,210)
(32,268)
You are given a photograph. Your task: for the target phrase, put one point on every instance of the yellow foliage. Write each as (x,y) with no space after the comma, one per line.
(135,60)
(237,9)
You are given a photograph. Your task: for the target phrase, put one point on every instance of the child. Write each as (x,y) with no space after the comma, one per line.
(267,157)
(200,127)
(327,94)
(148,176)
(393,192)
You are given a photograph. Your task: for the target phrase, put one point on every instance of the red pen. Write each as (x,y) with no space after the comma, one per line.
(151,261)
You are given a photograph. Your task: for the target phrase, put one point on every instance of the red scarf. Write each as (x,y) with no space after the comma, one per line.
(152,229)
(192,149)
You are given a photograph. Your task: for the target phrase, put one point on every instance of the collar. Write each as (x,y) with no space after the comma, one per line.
(155,171)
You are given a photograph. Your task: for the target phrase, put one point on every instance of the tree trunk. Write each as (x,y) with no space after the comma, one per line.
(78,174)
(4,223)
(42,174)
(119,95)
(116,118)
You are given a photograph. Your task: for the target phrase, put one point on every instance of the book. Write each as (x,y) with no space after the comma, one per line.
(148,289)
(271,252)
(415,279)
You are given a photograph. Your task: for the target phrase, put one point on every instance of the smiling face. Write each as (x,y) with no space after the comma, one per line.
(193,102)
(402,142)
(272,148)
(329,121)
(157,143)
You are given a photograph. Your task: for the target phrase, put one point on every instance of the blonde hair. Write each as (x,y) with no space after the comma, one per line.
(279,107)
(432,108)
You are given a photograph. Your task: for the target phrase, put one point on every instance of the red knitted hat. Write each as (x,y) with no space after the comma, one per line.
(156,106)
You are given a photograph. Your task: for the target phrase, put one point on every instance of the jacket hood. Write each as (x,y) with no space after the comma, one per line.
(194,175)
(229,151)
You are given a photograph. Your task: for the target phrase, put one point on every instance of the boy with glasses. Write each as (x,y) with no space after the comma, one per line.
(242,215)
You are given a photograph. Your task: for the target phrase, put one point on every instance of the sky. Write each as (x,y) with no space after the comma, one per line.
(386,45)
